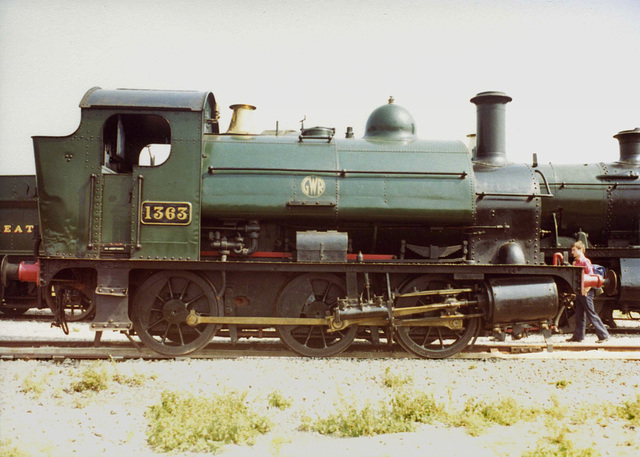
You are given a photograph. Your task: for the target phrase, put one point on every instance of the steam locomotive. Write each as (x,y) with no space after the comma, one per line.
(177,232)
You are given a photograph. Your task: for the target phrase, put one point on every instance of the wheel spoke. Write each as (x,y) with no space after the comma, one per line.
(166,333)
(154,324)
(187,304)
(426,337)
(180,333)
(440,338)
(306,341)
(184,291)
(324,340)
(169,287)
(326,292)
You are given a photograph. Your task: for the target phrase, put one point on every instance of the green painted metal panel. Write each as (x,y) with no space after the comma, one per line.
(90,207)
(64,166)
(579,198)
(258,181)
(278,178)
(116,212)
(421,182)
(173,182)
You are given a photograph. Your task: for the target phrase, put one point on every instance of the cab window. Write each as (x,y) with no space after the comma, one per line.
(135,139)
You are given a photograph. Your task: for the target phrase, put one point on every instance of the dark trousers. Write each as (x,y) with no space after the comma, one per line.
(584,306)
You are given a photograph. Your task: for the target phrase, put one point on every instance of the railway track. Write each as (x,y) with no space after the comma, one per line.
(61,350)
(31,337)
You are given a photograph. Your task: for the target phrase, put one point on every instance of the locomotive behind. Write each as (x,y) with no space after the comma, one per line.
(178,232)
(18,229)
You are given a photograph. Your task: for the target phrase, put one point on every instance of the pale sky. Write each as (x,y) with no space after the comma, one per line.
(572,67)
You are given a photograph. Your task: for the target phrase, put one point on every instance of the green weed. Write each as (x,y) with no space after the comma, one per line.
(277,400)
(559,445)
(35,384)
(405,410)
(395,381)
(630,411)
(351,421)
(417,407)
(478,415)
(182,422)
(94,378)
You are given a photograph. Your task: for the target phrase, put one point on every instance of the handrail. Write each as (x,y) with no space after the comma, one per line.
(92,188)
(140,181)
(544,179)
(342,173)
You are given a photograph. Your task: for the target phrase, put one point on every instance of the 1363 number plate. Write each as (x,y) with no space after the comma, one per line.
(166,213)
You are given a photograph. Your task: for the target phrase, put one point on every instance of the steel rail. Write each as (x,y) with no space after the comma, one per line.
(59,351)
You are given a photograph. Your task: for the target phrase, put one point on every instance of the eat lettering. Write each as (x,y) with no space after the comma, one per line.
(17,229)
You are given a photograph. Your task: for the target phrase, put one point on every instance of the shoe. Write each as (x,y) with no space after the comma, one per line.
(573,340)
(602,340)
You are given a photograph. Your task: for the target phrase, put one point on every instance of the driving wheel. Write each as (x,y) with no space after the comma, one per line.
(434,342)
(162,305)
(313,296)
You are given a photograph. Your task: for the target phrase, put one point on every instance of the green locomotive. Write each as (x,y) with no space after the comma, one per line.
(178,231)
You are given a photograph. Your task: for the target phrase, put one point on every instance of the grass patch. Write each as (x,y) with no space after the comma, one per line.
(417,407)
(35,384)
(351,421)
(478,415)
(559,445)
(630,411)
(277,400)
(93,378)
(395,381)
(405,410)
(98,376)
(182,422)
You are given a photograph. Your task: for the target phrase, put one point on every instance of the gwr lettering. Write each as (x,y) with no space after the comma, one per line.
(10,228)
(313,186)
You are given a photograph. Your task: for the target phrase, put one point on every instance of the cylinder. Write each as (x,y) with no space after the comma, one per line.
(490,125)
(629,145)
(522,299)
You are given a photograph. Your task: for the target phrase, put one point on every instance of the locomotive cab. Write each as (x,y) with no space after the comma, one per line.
(106,200)
(130,160)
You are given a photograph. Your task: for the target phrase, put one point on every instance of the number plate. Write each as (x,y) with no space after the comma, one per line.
(166,213)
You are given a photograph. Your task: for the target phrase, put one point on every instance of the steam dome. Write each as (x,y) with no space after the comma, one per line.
(390,122)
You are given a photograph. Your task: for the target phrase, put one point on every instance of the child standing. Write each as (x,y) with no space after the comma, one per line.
(584,303)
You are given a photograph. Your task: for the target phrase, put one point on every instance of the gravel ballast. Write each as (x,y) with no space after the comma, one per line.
(53,420)
(41,414)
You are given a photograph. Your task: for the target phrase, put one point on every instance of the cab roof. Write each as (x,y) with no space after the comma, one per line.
(97,97)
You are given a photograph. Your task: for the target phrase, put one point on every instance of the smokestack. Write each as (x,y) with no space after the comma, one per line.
(629,145)
(490,131)
(241,120)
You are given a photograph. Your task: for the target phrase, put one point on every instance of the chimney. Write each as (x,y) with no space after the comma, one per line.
(629,145)
(241,120)
(490,130)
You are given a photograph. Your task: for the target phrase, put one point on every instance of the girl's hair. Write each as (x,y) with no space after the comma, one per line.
(580,245)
